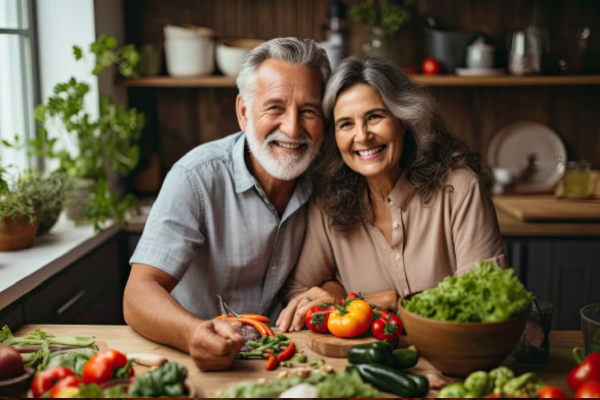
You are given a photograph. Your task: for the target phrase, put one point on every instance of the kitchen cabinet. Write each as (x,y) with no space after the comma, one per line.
(12,316)
(86,292)
(563,271)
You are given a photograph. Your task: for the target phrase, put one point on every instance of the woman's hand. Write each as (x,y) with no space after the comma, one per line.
(292,317)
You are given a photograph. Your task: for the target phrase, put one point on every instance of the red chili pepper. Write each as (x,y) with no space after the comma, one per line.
(287,353)
(492,396)
(586,371)
(105,366)
(272,363)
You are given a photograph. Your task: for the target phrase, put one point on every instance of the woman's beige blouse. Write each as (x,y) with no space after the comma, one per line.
(429,242)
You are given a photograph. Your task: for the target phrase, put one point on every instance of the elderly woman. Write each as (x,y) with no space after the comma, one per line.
(398,204)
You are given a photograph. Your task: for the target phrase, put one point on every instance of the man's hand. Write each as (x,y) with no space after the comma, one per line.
(214,345)
(292,317)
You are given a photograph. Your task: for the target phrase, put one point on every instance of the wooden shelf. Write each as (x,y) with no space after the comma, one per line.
(439,80)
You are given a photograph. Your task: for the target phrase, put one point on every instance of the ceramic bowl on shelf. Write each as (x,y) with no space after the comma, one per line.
(458,349)
(231,54)
(189,51)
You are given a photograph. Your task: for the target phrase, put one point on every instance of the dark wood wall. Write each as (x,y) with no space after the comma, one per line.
(180,119)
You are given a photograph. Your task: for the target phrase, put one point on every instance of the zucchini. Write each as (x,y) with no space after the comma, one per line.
(393,381)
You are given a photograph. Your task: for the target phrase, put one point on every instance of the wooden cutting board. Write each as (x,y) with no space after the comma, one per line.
(331,346)
(548,208)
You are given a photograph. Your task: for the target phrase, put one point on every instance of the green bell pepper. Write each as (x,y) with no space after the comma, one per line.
(455,390)
(479,384)
(382,353)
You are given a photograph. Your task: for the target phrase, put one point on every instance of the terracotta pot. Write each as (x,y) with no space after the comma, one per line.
(17,235)
(457,349)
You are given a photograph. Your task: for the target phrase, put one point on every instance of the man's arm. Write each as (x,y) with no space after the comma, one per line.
(150,309)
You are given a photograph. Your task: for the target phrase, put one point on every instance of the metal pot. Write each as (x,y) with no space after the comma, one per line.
(449,47)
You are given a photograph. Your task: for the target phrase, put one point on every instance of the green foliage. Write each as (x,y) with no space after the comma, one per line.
(487,293)
(389,16)
(46,194)
(14,204)
(105,144)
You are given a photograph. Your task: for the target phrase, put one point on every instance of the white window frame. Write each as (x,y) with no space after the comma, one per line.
(30,83)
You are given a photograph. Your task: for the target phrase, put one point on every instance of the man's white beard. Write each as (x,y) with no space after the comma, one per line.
(281,166)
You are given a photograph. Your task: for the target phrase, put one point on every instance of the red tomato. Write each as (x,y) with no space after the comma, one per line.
(589,390)
(387,328)
(45,380)
(551,392)
(66,388)
(317,323)
(431,66)
(105,366)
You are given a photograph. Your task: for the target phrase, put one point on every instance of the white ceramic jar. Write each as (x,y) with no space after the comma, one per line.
(480,55)
(188,53)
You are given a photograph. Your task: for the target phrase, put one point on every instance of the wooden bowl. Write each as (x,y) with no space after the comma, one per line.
(458,349)
(17,387)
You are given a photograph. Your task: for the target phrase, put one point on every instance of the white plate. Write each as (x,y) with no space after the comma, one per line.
(511,146)
(479,72)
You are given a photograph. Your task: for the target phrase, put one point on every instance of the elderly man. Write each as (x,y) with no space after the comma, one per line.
(230,217)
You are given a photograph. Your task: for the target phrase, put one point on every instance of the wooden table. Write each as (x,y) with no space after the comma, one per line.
(124,339)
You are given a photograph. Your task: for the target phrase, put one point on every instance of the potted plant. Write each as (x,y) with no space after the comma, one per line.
(47,195)
(105,145)
(385,18)
(18,217)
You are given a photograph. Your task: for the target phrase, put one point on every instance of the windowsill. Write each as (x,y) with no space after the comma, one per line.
(23,271)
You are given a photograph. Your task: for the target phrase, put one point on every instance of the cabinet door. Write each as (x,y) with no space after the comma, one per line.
(12,316)
(86,292)
(566,273)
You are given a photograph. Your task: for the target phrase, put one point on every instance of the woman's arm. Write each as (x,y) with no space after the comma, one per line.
(475,230)
(386,300)
(316,264)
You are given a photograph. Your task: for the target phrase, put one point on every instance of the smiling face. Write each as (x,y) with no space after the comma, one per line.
(369,136)
(284,123)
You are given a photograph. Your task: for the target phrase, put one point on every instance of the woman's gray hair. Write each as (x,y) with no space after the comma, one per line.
(304,52)
(429,153)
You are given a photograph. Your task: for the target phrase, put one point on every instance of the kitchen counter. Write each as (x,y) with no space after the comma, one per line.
(124,339)
(23,271)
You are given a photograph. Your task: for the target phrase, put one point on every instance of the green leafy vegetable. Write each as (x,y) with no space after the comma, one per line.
(346,385)
(487,293)
(75,360)
(167,381)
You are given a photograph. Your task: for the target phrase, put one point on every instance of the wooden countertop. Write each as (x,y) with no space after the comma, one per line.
(124,339)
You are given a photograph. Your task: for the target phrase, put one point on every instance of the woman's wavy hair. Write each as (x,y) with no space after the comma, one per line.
(430,151)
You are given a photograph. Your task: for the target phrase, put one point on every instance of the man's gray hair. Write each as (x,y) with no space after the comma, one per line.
(304,52)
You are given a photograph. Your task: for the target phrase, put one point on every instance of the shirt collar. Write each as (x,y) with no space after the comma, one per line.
(400,196)
(244,180)
(402,192)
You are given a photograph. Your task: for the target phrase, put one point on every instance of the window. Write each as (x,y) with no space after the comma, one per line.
(18,77)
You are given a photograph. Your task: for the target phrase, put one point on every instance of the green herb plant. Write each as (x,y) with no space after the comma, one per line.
(13,204)
(105,144)
(389,16)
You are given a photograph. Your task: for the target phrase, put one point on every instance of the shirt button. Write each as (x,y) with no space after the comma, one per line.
(390,201)
(274,267)
(396,225)
(398,257)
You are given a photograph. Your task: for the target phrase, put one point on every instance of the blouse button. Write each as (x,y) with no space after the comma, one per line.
(396,225)
(398,257)
(390,201)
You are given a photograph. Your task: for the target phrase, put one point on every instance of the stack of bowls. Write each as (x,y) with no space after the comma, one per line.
(232,52)
(190,51)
